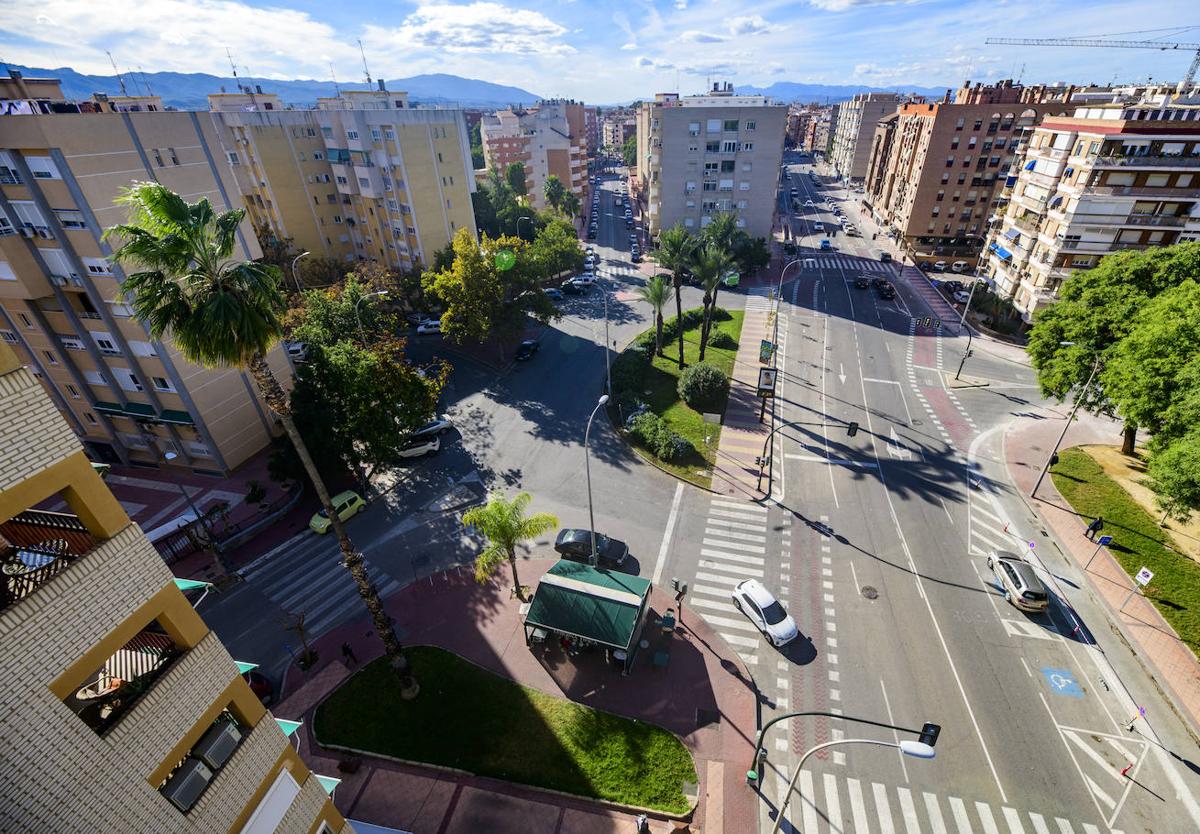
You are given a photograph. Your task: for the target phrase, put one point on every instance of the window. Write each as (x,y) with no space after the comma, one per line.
(106,345)
(950,161)
(743,186)
(693,129)
(940,195)
(375,134)
(694,148)
(728,166)
(710,186)
(342,180)
(936,211)
(747,146)
(389,134)
(747,166)
(689,222)
(97,266)
(958,125)
(713,126)
(25,320)
(8,336)
(731,125)
(945,178)
(351,134)
(726,185)
(50,357)
(71,342)
(712,147)
(954,143)
(70,218)
(162,384)
(751,125)
(364,182)
(232,157)
(91,418)
(978,124)
(43,168)
(8,172)
(73,391)
(971,141)
(962,178)
(317,155)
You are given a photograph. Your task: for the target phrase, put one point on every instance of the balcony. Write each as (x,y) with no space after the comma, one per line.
(109,693)
(1049,153)
(36,546)
(1026,223)
(1146,161)
(1098,246)
(1138,191)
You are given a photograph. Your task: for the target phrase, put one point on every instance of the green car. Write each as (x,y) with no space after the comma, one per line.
(346,504)
(731,279)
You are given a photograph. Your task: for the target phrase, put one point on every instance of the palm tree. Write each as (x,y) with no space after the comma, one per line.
(223,312)
(655,293)
(710,264)
(675,247)
(505,525)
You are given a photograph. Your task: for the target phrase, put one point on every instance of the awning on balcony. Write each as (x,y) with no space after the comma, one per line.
(1029,165)
(244,667)
(112,409)
(1055,202)
(288,727)
(1002,253)
(140,411)
(328,782)
(176,418)
(1012,234)
(186,585)
(1009,182)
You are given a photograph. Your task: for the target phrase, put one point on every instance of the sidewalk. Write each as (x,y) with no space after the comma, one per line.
(706,698)
(1171,662)
(735,472)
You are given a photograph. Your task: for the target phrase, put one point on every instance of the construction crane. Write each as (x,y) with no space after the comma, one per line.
(1188,77)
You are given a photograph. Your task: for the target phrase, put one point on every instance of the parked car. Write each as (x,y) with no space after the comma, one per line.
(430,326)
(570,287)
(939,266)
(1020,583)
(961,296)
(553,293)
(628,222)
(826,244)
(586,279)
(635,255)
(808,203)
(418,447)
(436,426)
(260,685)
(527,349)
(576,544)
(953,286)
(298,351)
(346,504)
(818,227)
(885,257)
(958,266)
(759,605)
(591,233)
(862,281)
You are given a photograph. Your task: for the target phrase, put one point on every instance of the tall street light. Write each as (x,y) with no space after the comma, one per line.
(361,335)
(169,457)
(916,749)
(962,320)
(588,470)
(296,275)
(527,219)
(1070,418)
(607,342)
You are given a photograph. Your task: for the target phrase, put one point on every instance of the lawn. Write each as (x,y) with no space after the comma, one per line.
(659,390)
(1137,541)
(469,718)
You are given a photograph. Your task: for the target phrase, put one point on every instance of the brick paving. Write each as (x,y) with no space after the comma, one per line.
(482,624)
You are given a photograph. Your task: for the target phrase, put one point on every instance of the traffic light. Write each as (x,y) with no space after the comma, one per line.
(852,429)
(929,734)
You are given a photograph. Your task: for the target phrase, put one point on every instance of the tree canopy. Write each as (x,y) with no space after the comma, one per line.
(514,175)
(629,151)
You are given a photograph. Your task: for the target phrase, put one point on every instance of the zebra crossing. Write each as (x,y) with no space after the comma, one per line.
(827,802)
(761,299)
(850,263)
(309,579)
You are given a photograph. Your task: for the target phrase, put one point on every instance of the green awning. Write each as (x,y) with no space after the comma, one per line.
(191,584)
(288,727)
(328,783)
(113,409)
(178,418)
(244,667)
(587,602)
(139,411)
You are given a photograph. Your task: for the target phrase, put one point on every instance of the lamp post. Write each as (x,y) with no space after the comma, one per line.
(296,275)
(962,320)
(1070,418)
(361,335)
(607,342)
(527,219)
(587,468)
(168,457)
(916,749)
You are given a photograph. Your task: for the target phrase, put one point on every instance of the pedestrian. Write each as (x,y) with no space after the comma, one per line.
(348,653)
(1095,527)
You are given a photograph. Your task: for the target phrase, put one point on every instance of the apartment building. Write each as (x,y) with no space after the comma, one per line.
(946,162)
(124,712)
(549,138)
(364,177)
(130,399)
(716,152)
(850,145)
(591,128)
(618,129)
(1111,176)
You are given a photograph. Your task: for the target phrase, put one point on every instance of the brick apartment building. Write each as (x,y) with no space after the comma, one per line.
(549,138)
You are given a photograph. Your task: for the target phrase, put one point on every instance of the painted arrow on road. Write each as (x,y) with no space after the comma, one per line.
(842,373)
(896,449)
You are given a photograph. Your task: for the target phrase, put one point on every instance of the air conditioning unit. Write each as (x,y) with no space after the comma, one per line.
(186,785)
(217,745)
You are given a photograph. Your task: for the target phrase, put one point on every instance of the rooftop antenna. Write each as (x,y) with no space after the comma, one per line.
(337,91)
(120,78)
(145,81)
(366,71)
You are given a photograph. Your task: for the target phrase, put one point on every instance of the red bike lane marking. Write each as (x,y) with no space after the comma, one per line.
(949,416)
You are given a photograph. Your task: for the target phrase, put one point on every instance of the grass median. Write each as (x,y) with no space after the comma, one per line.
(1138,541)
(658,388)
(474,720)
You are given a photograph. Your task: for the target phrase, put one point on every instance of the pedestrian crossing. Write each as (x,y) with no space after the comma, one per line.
(850,263)
(827,802)
(309,579)
(761,299)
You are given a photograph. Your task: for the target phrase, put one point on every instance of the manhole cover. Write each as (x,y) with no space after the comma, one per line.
(706,717)
(869,592)
(918,422)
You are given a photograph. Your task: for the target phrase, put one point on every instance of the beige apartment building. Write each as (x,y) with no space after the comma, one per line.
(129,398)
(124,712)
(1111,176)
(548,139)
(946,163)
(617,129)
(850,145)
(364,177)
(704,154)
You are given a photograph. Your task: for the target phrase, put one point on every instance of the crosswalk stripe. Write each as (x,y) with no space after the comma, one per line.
(909,810)
(732,545)
(739,516)
(857,810)
(960,815)
(738,505)
(810,808)
(1064,827)
(730,557)
(882,809)
(740,572)
(1039,823)
(935,813)
(707,589)
(986,819)
(992,543)
(738,640)
(727,622)
(714,577)
(734,525)
(1013,819)
(1090,829)
(713,604)
(833,803)
(730,534)
(328,592)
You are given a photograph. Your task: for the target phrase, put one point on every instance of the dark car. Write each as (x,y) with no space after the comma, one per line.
(592,234)
(862,281)
(885,257)
(635,256)
(953,286)
(527,349)
(260,685)
(886,290)
(576,544)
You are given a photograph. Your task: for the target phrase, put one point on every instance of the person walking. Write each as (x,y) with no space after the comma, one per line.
(348,654)
(1095,527)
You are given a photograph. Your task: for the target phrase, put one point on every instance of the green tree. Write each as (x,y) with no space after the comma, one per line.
(571,205)
(554,192)
(710,263)
(556,250)
(476,137)
(505,526)
(722,231)
(1095,312)
(223,312)
(1175,477)
(629,151)
(656,293)
(484,206)
(674,253)
(514,175)
(751,253)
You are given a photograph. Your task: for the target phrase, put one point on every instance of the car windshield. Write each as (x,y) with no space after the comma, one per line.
(321,512)
(774,613)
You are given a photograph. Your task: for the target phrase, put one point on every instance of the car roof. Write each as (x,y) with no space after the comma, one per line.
(758,592)
(344,496)
(1024,570)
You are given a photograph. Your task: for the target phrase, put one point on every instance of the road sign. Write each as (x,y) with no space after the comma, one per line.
(1144,576)
(766,382)
(1062,682)
(1104,541)
(765,349)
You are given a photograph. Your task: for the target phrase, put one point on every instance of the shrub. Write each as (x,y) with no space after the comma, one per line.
(703,385)
(629,370)
(673,447)
(651,432)
(721,339)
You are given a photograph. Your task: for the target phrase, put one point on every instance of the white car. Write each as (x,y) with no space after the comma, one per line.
(430,326)
(818,227)
(760,606)
(808,203)
(437,426)
(962,296)
(419,447)
(587,279)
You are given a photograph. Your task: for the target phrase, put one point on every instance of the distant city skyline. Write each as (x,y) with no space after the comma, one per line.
(598,51)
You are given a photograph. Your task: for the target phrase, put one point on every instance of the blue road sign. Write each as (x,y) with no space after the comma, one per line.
(1104,540)
(1062,682)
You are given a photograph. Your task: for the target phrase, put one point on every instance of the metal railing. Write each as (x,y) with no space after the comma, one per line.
(38,545)
(1157,160)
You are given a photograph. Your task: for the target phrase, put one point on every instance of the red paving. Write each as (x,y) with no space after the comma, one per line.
(949,416)
(482,624)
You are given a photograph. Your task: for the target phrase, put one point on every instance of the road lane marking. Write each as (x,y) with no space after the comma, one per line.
(883,810)
(960,815)
(737,505)
(731,514)
(731,557)
(857,810)
(810,808)
(836,461)
(666,542)
(713,577)
(935,813)
(833,803)
(737,570)
(727,622)
(1013,819)
(733,525)
(737,640)
(729,534)
(986,819)
(909,811)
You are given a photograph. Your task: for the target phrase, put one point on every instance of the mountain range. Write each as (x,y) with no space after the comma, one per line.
(189,90)
(821,93)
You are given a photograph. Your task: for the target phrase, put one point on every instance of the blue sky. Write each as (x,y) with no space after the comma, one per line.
(597,50)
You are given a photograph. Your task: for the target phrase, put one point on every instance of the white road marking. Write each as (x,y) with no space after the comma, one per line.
(728,608)
(1013,819)
(737,640)
(986,819)
(882,809)
(738,505)
(739,571)
(833,803)
(728,622)
(732,514)
(730,534)
(909,810)
(666,542)
(734,525)
(713,577)
(855,464)
(960,816)
(1039,823)
(807,796)
(935,813)
(857,810)
(731,557)
(887,703)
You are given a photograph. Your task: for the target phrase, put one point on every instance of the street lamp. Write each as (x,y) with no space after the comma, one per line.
(527,219)
(296,275)
(607,342)
(361,335)
(588,471)
(916,749)
(1070,418)
(962,321)
(168,457)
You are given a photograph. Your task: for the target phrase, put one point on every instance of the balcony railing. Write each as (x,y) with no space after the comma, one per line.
(1049,153)
(124,678)
(36,546)
(1138,191)
(1099,246)
(1147,160)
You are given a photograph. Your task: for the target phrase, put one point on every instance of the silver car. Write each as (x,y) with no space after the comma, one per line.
(759,605)
(1020,583)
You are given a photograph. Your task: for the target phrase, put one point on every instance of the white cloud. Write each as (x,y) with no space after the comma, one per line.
(694,36)
(643,62)
(681,4)
(629,46)
(844,5)
(749,25)
(476,27)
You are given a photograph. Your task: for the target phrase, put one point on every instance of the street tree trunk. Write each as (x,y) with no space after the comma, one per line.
(679,313)
(1128,439)
(352,560)
(704,323)
(658,330)
(512,563)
